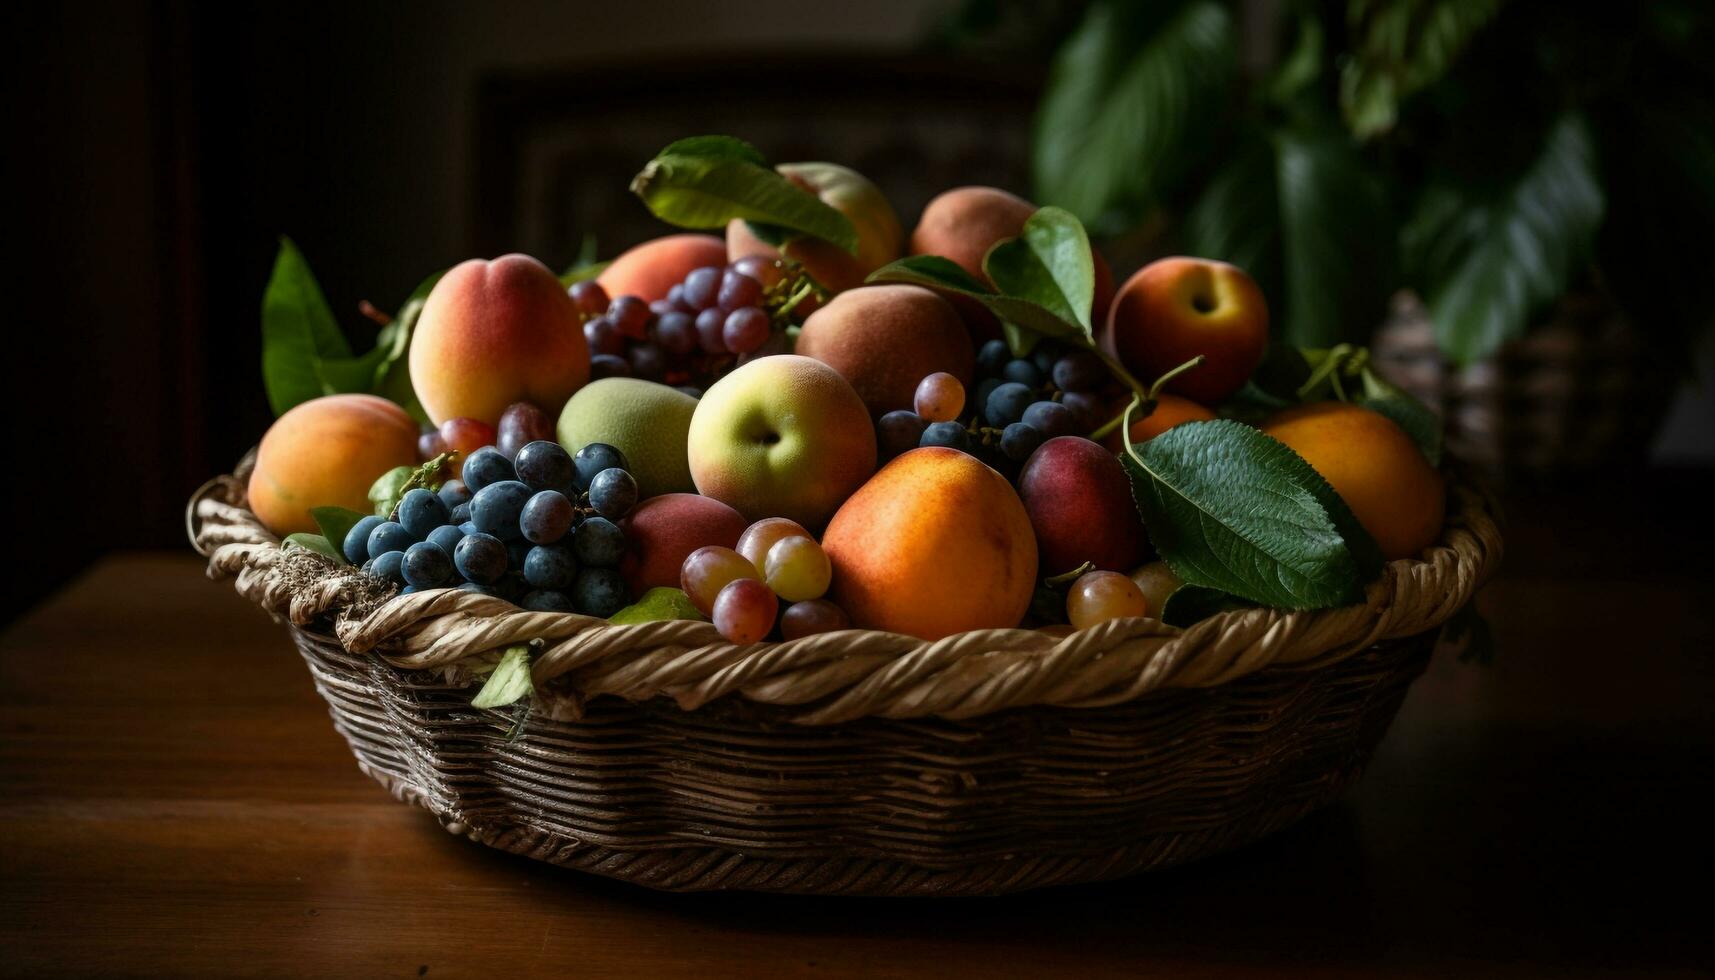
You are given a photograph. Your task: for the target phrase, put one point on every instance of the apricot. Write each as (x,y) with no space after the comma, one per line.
(962,224)
(880,236)
(648,270)
(327,452)
(1374,467)
(936,543)
(886,339)
(494,333)
(661,532)
(1175,309)
(1170,410)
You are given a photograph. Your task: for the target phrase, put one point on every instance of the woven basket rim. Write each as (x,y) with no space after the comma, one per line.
(832,678)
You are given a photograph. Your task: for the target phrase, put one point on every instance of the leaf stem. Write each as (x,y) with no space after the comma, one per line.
(1161,382)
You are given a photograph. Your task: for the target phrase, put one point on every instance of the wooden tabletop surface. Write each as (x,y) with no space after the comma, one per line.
(173,800)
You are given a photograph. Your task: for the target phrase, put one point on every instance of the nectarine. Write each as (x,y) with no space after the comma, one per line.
(1175,309)
(1079,501)
(886,339)
(662,531)
(327,452)
(648,270)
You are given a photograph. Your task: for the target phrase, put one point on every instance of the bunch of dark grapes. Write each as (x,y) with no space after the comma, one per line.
(715,318)
(1015,405)
(539,528)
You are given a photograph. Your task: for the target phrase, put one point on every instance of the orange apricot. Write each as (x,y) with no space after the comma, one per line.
(327,452)
(648,270)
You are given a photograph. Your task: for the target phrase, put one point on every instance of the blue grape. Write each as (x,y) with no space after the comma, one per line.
(421,511)
(496,508)
(480,558)
(594,458)
(356,544)
(389,536)
(1044,357)
(546,517)
(598,592)
(1023,372)
(1019,440)
(479,587)
(992,358)
(898,432)
(980,399)
(949,434)
(426,565)
(407,590)
(1086,409)
(1007,403)
(549,566)
(1053,418)
(1079,371)
(599,543)
(517,550)
(542,600)
(389,565)
(486,466)
(446,537)
(454,493)
(460,514)
(543,465)
(613,493)
(467,527)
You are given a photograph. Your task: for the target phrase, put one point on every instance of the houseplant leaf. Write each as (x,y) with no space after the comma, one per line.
(1400,49)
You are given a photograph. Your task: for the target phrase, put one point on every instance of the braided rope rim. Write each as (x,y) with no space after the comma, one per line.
(838,677)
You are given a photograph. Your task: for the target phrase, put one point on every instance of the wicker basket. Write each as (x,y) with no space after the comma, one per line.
(858,762)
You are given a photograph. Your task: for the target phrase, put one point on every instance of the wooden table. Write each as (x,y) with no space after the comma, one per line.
(173,800)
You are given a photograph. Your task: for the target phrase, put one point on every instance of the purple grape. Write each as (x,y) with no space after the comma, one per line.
(1052,418)
(630,316)
(647,362)
(602,336)
(738,290)
(710,324)
(590,299)
(745,329)
(609,366)
(676,333)
(702,287)
(899,431)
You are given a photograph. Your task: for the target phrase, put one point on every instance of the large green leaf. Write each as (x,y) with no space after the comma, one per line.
(936,272)
(1486,258)
(298,332)
(510,682)
(707,181)
(1234,510)
(1132,101)
(1049,263)
(335,523)
(1401,47)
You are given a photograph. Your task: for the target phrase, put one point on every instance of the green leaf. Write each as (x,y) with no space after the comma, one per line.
(1400,49)
(1133,100)
(659,603)
(388,488)
(1231,509)
(335,524)
(1049,264)
(1422,425)
(298,332)
(936,272)
(312,542)
(717,148)
(1302,66)
(581,273)
(510,681)
(706,183)
(1189,604)
(1486,259)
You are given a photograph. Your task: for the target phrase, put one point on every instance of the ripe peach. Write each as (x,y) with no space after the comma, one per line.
(661,532)
(494,333)
(327,452)
(935,544)
(964,223)
(1170,410)
(850,193)
(1374,467)
(648,270)
(886,339)
(1174,309)
(1079,501)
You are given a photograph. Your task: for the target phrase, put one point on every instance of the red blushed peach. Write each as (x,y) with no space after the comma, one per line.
(648,270)
(494,333)
(327,452)
(1079,501)
(886,339)
(661,532)
(853,195)
(1175,309)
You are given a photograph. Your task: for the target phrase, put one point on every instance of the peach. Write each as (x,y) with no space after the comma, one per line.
(935,544)
(886,339)
(1174,309)
(964,223)
(494,333)
(850,193)
(648,270)
(327,452)
(1079,501)
(661,532)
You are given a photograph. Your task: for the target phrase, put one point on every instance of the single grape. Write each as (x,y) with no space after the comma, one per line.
(707,571)
(992,358)
(356,543)
(737,290)
(899,431)
(546,517)
(599,592)
(613,493)
(660,307)
(427,566)
(1023,372)
(544,465)
(1079,371)
(588,296)
(421,511)
(599,543)
(517,550)
(496,508)
(676,299)
(745,329)
(744,611)
(676,333)
(1053,418)
(389,565)
(466,436)
(389,536)
(480,558)
(629,316)
(550,566)
(407,590)
(430,444)
(453,492)
(1044,356)
(810,618)
(767,272)
(521,423)
(592,459)
(701,287)
(603,337)
(459,514)
(949,434)
(542,600)
(647,362)
(1156,581)
(711,326)
(1099,596)
(447,538)
(486,466)
(1006,404)
(1019,440)
(609,366)
(797,569)
(758,538)
(1086,409)
(467,527)
(940,397)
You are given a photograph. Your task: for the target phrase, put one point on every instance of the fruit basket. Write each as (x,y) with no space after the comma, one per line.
(857,762)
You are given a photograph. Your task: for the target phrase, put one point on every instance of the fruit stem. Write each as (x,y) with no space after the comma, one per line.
(1125,440)
(1161,382)
(368,309)
(798,296)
